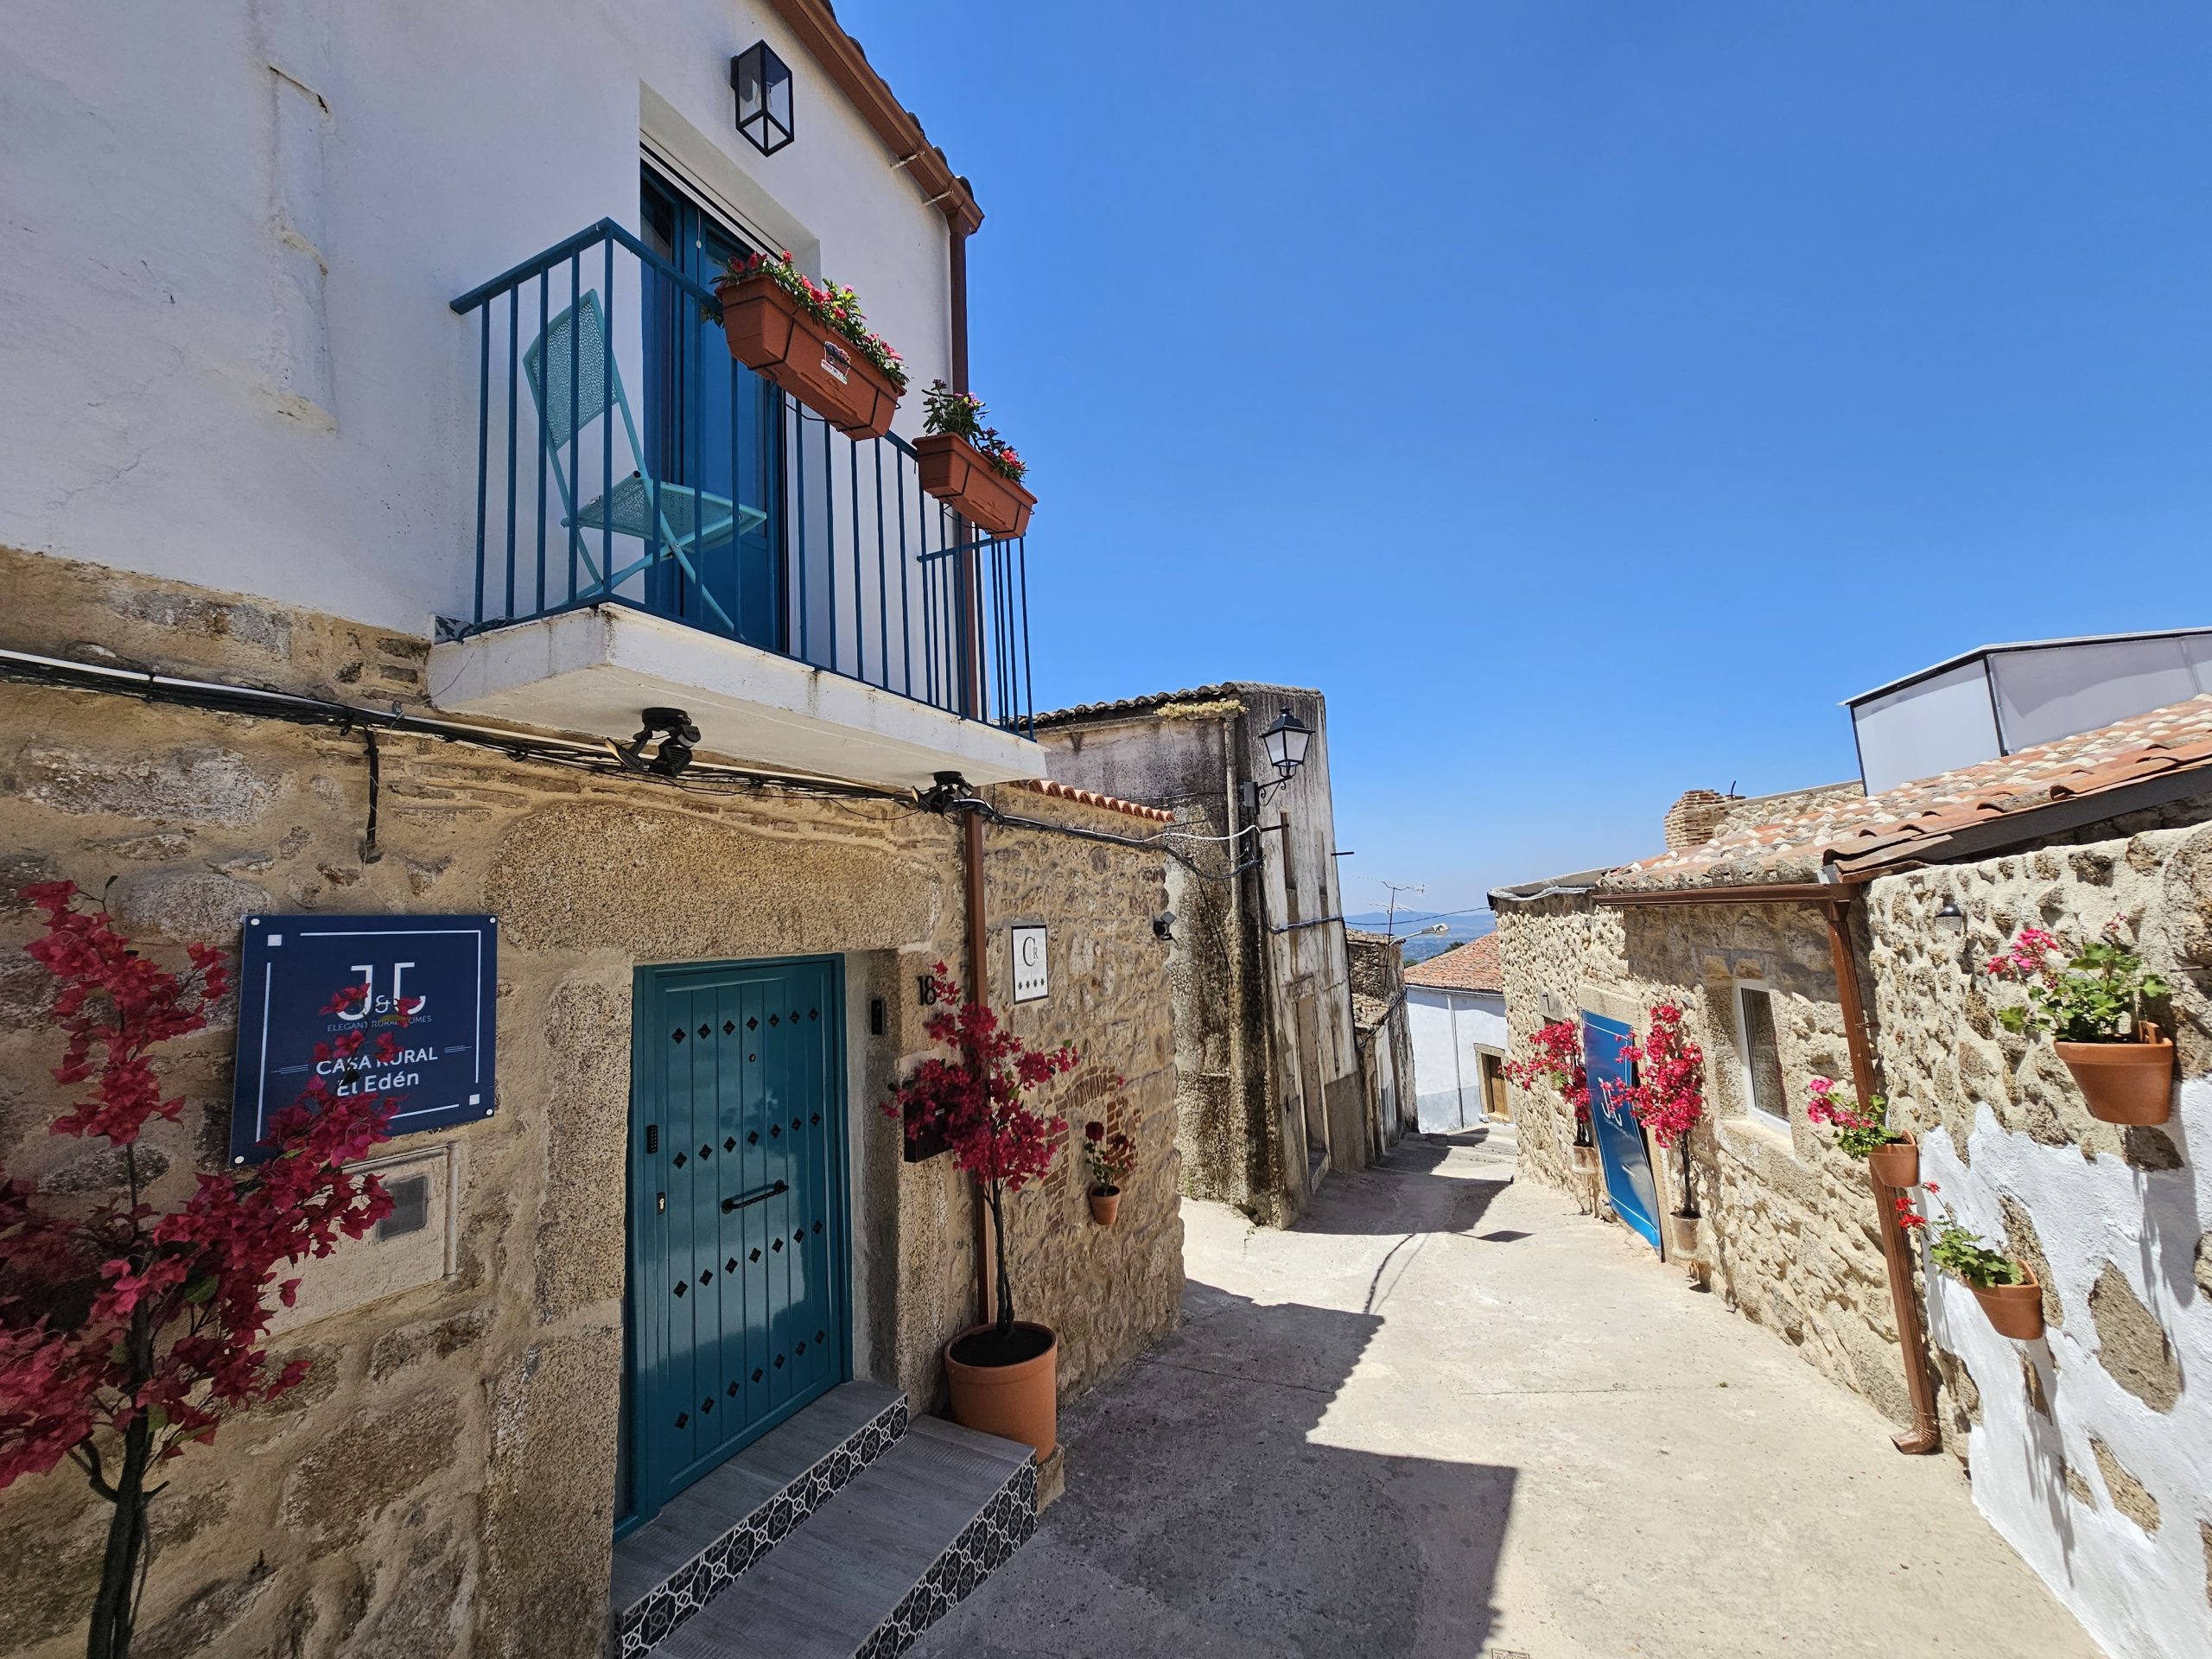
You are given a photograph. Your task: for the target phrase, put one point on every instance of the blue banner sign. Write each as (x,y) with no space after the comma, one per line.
(442,969)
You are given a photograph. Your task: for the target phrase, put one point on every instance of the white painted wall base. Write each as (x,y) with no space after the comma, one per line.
(2141,1594)
(594,670)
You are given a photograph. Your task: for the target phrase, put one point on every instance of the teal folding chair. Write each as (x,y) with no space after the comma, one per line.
(576,383)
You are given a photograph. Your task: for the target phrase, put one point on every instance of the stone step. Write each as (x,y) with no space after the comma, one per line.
(883,1559)
(714,1530)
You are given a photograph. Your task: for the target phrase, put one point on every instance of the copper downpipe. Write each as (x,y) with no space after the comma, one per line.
(1925,1435)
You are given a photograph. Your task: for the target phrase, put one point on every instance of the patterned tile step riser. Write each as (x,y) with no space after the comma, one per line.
(661,1613)
(986,1544)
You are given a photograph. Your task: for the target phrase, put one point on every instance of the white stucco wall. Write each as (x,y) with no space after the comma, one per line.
(1448,1026)
(231,231)
(2142,1594)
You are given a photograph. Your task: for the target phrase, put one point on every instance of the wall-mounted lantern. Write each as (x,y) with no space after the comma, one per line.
(1285,742)
(763,84)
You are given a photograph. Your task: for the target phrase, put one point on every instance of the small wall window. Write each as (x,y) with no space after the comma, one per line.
(1764,1092)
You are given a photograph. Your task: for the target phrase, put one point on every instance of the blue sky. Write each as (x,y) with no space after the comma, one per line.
(1585,396)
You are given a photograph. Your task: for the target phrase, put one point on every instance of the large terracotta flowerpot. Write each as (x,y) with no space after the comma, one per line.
(2123,1082)
(1896,1164)
(2014,1310)
(769,333)
(1013,1393)
(952,470)
(1104,1206)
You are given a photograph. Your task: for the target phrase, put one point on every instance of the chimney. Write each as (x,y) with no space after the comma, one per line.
(1691,820)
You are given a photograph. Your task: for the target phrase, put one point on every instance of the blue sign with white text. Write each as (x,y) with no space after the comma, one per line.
(441,970)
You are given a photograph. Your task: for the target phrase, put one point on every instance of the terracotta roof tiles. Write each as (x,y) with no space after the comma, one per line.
(1862,827)
(1473,966)
(1092,798)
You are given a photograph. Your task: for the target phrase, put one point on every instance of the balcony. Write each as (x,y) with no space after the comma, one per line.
(658,525)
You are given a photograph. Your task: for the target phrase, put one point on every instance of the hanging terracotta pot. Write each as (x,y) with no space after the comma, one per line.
(1105,1205)
(2014,1310)
(821,367)
(1586,1158)
(1896,1164)
(2125,1082)
(1683,1230)
(1009,1388)
(954,471)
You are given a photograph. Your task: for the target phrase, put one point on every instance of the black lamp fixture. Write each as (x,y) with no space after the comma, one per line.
(763,84)
(1950,917)
(1285,742)
(672,755)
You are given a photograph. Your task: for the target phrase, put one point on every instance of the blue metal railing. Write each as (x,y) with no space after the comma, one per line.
(623,457)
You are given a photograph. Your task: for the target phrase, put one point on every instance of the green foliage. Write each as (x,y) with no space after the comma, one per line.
(960,415)
(2097,997)
(1968,1255)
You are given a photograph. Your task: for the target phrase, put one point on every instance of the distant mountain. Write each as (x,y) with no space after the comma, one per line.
(1419,947)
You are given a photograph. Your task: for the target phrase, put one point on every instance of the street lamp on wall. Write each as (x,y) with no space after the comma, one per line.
(763,84)
(1285,742)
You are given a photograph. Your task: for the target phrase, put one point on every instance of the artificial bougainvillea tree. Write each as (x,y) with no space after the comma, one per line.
(1668,1093)
(128,1332)
(976,1101)
(1555,1057)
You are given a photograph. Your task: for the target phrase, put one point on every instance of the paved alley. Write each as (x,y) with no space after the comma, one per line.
(1449,1415)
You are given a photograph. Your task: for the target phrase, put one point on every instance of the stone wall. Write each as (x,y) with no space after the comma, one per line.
(2092,1449)
(444,1481)
(1262,1086)
(1789,1235)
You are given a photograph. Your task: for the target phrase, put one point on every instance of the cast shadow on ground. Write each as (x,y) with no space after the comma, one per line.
(1208,1511)
(1403,1193)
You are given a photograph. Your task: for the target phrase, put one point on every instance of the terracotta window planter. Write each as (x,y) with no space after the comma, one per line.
(953,471)
(2123,1082)
(1013,1393)
(770,334)
(1896,1164)
(1105,1205)
(2014,1310)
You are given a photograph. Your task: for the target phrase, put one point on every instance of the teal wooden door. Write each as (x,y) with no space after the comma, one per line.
(737,1313)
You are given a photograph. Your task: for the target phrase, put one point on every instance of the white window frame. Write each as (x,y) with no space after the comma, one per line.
(1752,1110)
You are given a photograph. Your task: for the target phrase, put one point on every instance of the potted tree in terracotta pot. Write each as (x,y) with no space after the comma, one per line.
(1003,1375)
(1555,1058)
(1668,1099)
(2091,1005)
(1862,1130)
(2010,1296)
(1108,1157)
(812,339)
(967,464)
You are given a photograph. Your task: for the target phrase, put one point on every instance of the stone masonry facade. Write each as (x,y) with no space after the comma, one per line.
(2092,1449)
(444,1480)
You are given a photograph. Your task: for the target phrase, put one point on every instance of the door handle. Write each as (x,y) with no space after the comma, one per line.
(729,1205)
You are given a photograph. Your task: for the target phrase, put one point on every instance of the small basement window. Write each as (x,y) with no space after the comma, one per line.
(1764,1090)
(410,1208)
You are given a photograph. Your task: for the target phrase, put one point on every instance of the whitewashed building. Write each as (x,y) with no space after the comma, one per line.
(1455,1003)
